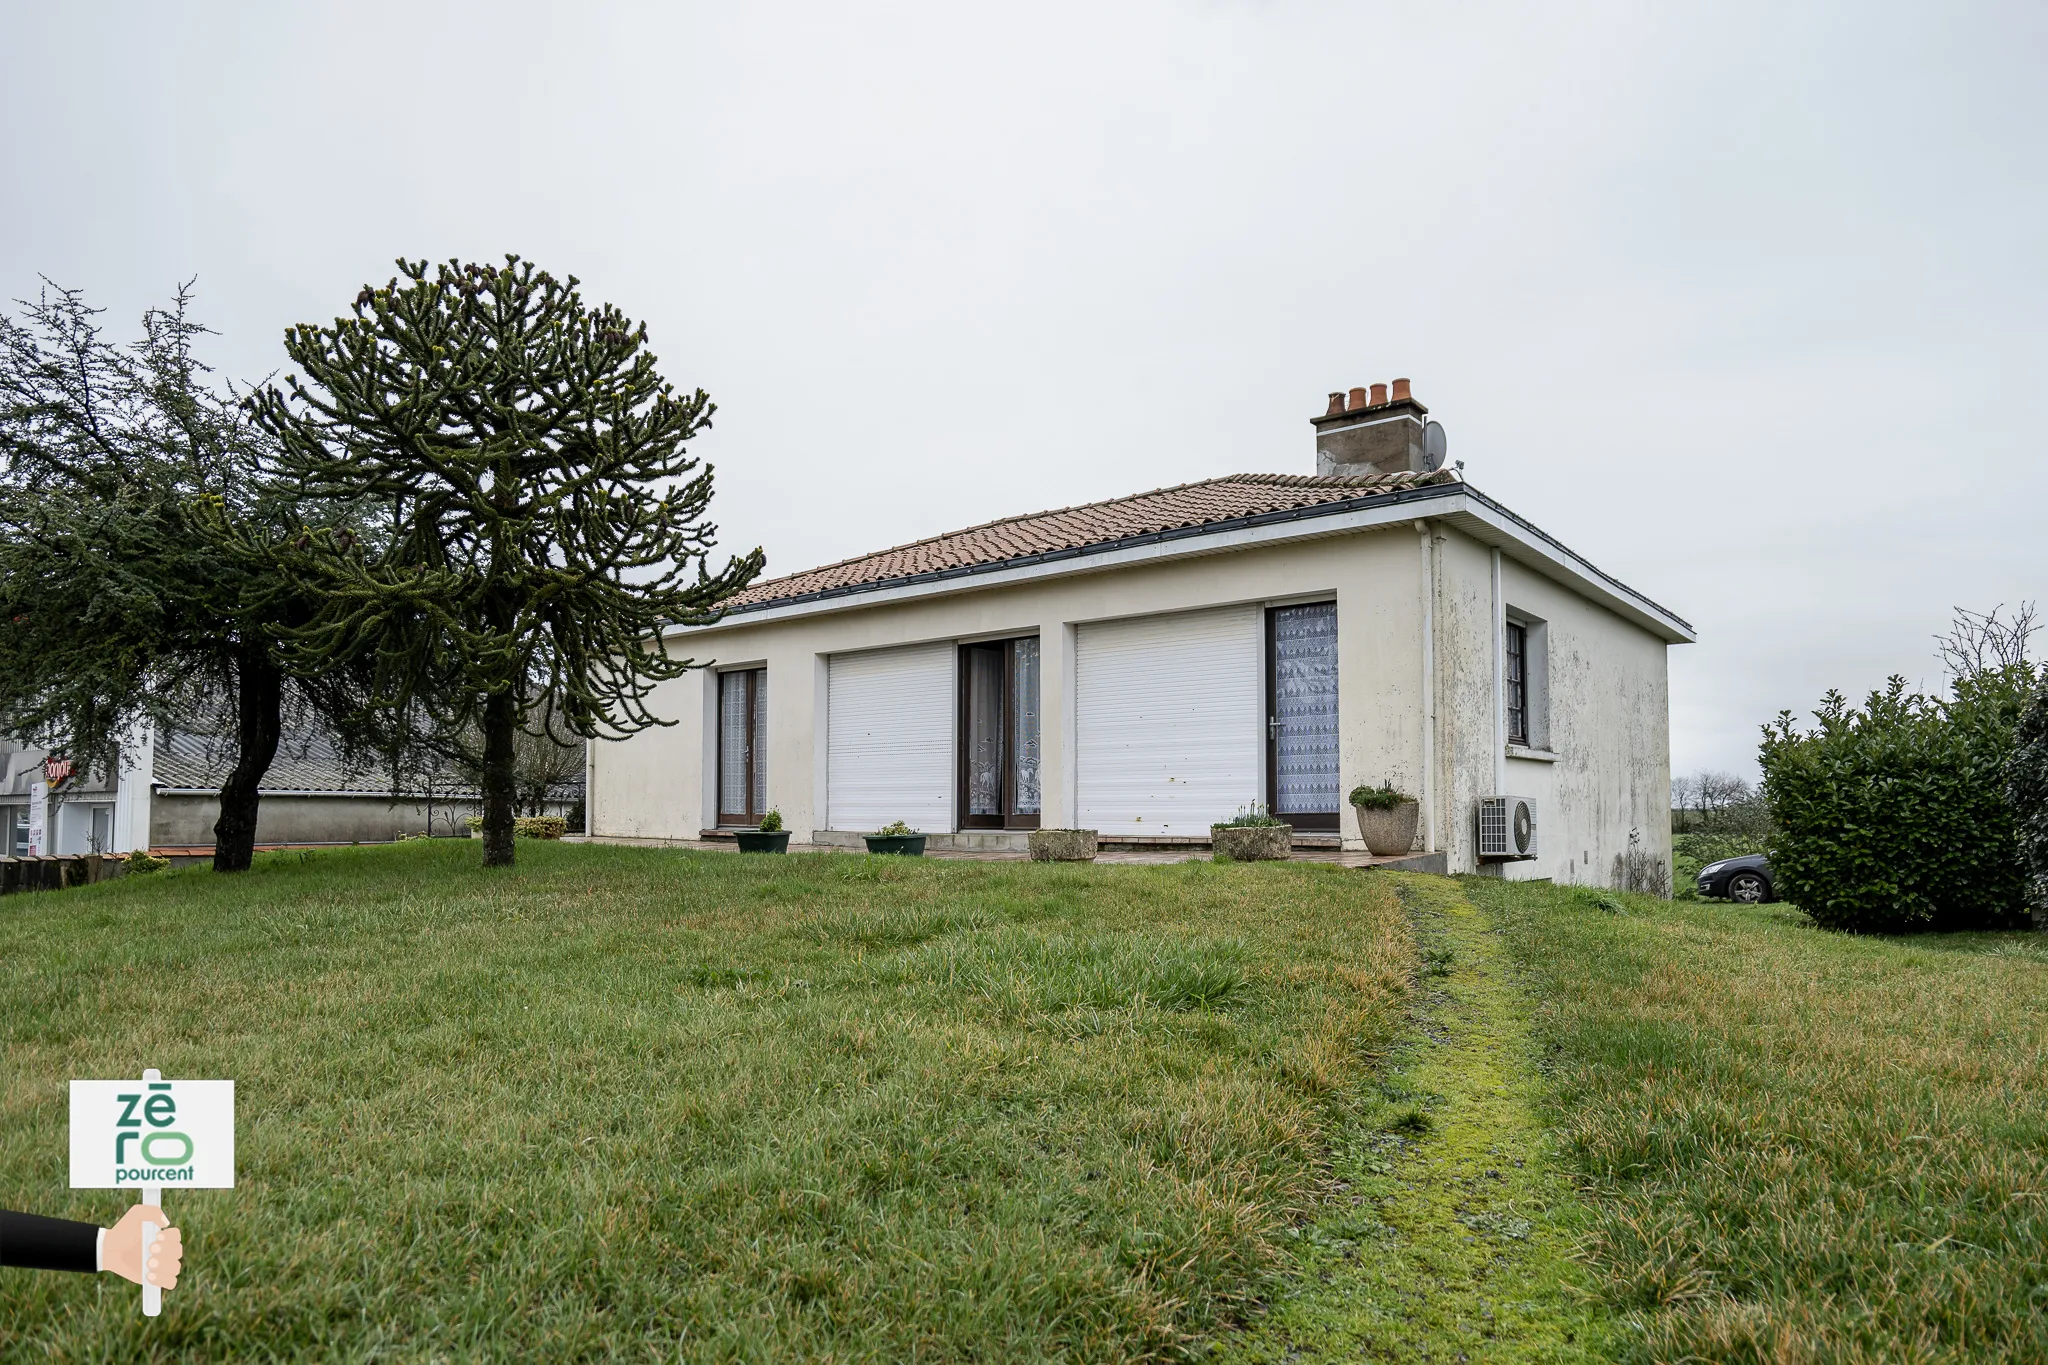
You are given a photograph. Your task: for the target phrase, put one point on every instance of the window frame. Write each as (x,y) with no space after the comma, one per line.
(1305,822)
(1009,818)
(1514,664)
(756,681)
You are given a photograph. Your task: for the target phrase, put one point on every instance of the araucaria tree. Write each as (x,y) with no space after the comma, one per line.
(539,521)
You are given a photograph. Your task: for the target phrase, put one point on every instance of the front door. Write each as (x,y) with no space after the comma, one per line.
(1301,716)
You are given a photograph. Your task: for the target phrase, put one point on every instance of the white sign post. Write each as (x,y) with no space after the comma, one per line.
(146,1134)
(38,819)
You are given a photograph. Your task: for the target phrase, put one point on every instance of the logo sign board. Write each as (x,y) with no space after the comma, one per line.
(152,1133)
(57,771)
(38,816)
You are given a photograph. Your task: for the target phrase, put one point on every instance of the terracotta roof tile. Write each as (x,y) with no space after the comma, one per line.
(1076,528)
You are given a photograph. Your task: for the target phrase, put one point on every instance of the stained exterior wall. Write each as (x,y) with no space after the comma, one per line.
(1608,719)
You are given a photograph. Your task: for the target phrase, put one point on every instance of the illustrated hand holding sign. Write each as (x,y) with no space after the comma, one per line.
(147,1134)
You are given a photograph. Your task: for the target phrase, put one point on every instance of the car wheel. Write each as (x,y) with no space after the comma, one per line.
(1748,888)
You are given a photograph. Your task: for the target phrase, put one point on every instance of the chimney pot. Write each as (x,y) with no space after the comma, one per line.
(1358,398)
(1379,394)
(1336,404)
(1401,394)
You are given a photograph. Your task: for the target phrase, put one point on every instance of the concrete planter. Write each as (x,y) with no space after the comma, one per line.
(1389,833)
(904,845)
(763,840)
(1062,845)
(1253,843)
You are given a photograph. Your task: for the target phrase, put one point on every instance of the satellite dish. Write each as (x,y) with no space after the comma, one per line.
(1434,447)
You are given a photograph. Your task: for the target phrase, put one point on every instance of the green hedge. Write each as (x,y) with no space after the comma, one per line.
(1894,818)
(2026,774)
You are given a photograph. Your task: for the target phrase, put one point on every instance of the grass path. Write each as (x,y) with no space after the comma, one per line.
(1446,1230)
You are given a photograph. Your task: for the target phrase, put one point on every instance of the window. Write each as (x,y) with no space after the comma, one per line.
(742,746)
(999,752)
(1517,653)
(1302,785)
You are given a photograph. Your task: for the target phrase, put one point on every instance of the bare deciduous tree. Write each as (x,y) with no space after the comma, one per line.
(1979,642)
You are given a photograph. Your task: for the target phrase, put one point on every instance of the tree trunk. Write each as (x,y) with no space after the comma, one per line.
(499,779)
(259,724)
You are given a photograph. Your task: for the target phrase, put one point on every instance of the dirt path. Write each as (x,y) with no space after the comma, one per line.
(1447,1232)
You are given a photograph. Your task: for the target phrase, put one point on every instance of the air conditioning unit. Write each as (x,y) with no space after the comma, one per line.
(1507,827)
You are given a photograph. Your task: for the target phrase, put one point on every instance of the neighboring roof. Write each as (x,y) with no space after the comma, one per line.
(1075,529)
(307,764)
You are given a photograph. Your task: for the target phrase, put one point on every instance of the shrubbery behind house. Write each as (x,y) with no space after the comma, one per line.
(1896,817)
(2026,775)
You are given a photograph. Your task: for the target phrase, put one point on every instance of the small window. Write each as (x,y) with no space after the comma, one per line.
(742,746)
(1518,682)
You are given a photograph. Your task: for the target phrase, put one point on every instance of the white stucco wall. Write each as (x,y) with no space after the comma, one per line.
(658,785)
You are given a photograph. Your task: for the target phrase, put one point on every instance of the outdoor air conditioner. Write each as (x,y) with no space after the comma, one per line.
(1507,827)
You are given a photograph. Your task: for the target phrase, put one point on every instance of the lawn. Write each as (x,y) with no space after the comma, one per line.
(638,1104)
(659,1105)
(1798,1146)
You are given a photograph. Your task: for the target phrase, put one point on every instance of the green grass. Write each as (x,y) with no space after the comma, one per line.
(1798,1146)
(634,1104)
(1447,1229)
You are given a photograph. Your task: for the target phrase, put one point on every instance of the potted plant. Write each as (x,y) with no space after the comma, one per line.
(1386,819)
(770,838)
(1253,836)
(897,838)
(1062,845)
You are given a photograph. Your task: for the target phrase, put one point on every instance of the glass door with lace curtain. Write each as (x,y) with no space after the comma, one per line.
(742,746)
(999,747)
(1302,784)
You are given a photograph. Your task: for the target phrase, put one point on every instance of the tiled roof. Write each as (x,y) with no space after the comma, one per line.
(1091,524)
(305,762)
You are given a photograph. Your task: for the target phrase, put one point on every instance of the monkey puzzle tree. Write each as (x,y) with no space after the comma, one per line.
(539,523)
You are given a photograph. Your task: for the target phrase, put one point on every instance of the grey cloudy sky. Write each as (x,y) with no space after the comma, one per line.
(1746,302)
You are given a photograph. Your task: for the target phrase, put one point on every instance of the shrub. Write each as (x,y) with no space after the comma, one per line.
(1894,818)
(526,826)
(2026,791)
(771,823)
(146,862)
(895,829)
(1249,817)
(1383,797)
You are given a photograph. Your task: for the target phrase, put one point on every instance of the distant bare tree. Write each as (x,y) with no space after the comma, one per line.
(1703,797)
(1978,642)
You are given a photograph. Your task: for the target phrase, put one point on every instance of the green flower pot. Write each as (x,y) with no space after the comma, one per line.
(904,845)
(763,841)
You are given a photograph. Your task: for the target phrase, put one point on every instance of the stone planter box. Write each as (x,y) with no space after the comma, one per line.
(903,845)
(763,841)
(1389,833)
(1063,845)
(1253,843)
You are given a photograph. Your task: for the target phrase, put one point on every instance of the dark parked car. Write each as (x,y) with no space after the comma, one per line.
(1746,880)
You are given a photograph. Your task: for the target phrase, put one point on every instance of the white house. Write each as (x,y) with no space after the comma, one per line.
(1148,665)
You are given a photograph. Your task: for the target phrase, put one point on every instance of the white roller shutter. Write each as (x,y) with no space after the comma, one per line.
(889,739)
(1166,721)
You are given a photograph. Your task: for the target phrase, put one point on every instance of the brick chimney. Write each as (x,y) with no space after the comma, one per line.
(1372,432)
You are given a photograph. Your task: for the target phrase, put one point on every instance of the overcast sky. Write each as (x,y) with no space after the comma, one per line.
(1747,303)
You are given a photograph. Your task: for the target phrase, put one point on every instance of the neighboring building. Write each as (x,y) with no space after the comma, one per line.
(166,796)
(1148,665)
(82,811)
